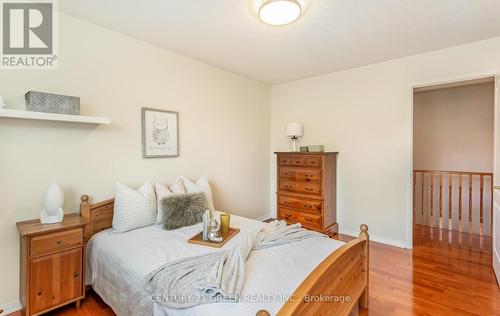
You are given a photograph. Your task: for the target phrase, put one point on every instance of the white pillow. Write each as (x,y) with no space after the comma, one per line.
(162,191)
(134,208)
(202,185)
(178,186)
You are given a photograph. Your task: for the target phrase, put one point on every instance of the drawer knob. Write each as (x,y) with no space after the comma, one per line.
(308,205)
(298,161)
(59,242)
(308,219)
(76,274)
(39,293)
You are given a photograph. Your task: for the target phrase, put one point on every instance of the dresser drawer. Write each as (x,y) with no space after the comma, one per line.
(309,188)
(288,186)
(56,241)
(289,173)
(307,205)
(302,161)
(302,188)
(309,175)
(307,220)
(300,174)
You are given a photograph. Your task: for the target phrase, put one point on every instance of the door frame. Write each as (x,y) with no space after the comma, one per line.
(420,84)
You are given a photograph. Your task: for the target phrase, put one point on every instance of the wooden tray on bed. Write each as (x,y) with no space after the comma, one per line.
(198,238)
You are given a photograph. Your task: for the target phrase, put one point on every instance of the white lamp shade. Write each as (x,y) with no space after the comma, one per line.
(294,129)
(53,199)
(279,12)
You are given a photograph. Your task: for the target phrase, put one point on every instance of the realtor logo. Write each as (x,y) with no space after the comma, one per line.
(28,34)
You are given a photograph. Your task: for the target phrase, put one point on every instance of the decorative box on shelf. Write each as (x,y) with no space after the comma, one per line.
(52,103)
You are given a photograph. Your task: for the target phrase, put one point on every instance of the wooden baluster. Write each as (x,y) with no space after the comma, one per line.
(470,198)
(491,204)
(460,197)
(481,188)
(440,195)
(450,196)
(422,196)
(414,197)
(432,196)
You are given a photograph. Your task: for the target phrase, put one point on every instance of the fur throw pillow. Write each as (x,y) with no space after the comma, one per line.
(183,210)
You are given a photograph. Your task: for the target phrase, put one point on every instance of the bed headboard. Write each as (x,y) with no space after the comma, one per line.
(99,215)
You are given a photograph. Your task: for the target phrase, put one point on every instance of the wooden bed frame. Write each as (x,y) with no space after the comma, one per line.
(338,285)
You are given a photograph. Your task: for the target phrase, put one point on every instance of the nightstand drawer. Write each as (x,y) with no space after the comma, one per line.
(45,244)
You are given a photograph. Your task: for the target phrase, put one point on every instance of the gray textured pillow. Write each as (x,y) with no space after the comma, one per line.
(183,210)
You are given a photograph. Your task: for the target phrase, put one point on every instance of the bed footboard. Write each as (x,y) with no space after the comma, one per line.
(337,286)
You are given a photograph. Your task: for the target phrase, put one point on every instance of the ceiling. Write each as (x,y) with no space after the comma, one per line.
(330,35)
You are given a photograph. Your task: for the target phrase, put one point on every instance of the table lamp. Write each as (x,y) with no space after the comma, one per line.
(294,131)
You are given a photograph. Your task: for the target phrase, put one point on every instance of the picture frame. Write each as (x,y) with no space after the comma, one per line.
(160,133)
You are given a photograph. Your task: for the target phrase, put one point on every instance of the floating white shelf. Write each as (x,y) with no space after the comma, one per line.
(29,115)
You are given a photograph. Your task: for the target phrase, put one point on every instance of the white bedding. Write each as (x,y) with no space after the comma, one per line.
(117,264)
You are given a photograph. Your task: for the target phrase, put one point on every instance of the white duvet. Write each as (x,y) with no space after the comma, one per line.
(117,264)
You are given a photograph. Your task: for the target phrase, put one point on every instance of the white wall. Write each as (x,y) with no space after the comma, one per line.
(453,128)
(366,115)
(224,131)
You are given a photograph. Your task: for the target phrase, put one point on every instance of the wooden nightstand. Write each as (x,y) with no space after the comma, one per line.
(52,264)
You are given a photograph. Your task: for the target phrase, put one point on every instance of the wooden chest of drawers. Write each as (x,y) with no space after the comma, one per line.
(307,190)
(52,264)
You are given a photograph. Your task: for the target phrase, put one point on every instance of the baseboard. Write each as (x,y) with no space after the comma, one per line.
(496,265)
(263,217)
(374,237)
(9,308)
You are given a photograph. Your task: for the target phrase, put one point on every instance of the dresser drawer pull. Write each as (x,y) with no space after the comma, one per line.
(76,274)
(309,189)
(58,242)
(308,206)
(308,219)
(287,186)
(39,293)
(298,161)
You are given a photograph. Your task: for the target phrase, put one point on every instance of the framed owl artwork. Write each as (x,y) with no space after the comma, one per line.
(160,133)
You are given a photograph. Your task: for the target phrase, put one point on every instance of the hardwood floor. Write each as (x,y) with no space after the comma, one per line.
(444,274)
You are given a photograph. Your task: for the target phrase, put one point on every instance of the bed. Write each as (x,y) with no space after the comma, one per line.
(317,276)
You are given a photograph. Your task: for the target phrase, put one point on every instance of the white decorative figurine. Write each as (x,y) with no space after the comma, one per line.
(214,231)
(207,216)
(52,205)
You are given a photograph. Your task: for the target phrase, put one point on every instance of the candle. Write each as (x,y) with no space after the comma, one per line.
(224,223)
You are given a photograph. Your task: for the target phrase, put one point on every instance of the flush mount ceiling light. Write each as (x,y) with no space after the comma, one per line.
(279,12)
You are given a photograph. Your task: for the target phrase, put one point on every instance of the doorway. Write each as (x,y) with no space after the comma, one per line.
(453,146)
